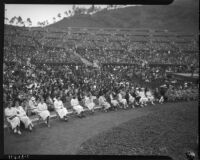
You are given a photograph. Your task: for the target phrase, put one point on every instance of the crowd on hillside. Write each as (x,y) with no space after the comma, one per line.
(32,86)
(106,47)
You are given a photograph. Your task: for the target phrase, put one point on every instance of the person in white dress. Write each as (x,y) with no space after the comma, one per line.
(43,111)
(150,97)
(104,103)
(143,99)
(122,100)
(23,117)
(76,106)
(60,109)
(12,118)
(89,102)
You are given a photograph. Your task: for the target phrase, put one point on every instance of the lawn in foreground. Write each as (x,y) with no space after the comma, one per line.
(171,129)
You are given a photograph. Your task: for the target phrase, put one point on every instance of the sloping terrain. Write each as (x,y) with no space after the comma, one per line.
(180,15)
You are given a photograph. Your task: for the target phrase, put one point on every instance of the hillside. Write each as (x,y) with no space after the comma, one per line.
(180,15)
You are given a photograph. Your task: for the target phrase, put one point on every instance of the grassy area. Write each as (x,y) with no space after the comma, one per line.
(171,129)
(181,15)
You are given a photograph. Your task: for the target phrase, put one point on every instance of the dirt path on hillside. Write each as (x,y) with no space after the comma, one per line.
(66,137)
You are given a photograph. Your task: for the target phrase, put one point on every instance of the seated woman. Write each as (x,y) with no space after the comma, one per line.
(143,99)
(122,100)
(89,102)
(12,118)
(60,109)
(22,116)
(114,101)
(76,106)
(104,103)
(131,100)
(43,111)
(150,96)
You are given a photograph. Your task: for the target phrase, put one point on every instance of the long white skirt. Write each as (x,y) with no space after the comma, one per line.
(131,99)
(151,98)
(114,102)
(90,106)
(143,99)
(78,109)
(62,112)
(106,105)
(25,120)
(123,101)
(14,122)
(44,114)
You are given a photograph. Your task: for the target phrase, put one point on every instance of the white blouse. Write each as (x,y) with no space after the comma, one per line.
(20,111)
(58,104)
(9,112)
(42,107)
(74,102)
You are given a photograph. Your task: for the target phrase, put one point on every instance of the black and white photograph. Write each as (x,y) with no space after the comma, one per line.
(101,79)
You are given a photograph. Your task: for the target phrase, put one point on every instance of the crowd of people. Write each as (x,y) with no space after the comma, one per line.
(39,78)
(106,46)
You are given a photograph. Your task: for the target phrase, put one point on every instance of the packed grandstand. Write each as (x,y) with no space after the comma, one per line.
(120,68)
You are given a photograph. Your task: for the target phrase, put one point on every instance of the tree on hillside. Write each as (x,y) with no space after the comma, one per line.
(47,22)
(66,13)
(91,9)
(80,10)
(28,20)
(73,8)
(70,13)
(59,16)
(54,19)
(12,20)
(19,20)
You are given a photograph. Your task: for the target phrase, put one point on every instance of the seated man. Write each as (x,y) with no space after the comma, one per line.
(131,100)
(22,116)
(114,101)
(32,105)
(158,96)
(104,103)
(50,103)
(12,118)
(43,111)
(76,106)
(60,109)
